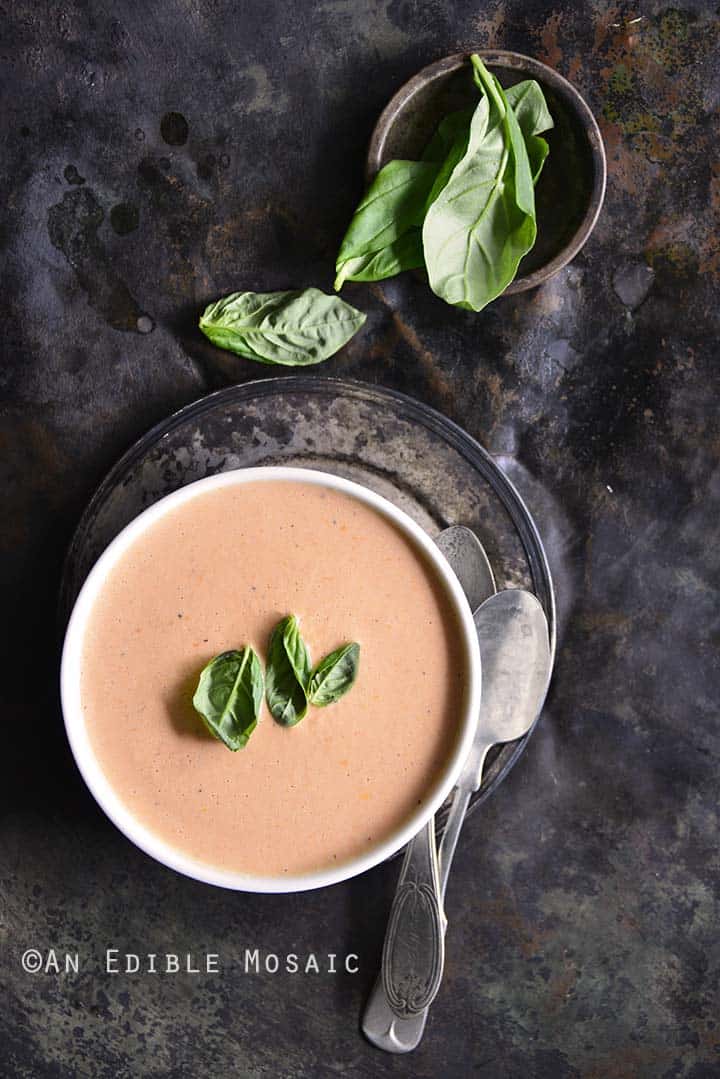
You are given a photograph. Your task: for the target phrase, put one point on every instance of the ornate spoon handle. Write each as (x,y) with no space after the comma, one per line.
(390,1030)
(414,949)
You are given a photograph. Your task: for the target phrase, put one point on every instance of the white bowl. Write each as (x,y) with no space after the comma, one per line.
(103,791)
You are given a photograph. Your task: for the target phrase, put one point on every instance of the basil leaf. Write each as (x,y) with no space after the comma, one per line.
(454,155)
(296,650)
(537,151)
(446,135)
(288,673)
(394,202)
(527,101)
(405,253)
(393,205)
(521,175)
(483,221)
(334,675)
(229,696)
(290,328)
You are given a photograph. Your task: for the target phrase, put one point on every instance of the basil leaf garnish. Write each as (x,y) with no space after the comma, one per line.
(293,329)
(288,673)
(334,675)
(296,650)
(229,696)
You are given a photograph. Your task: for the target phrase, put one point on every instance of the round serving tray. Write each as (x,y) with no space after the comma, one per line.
(387,441)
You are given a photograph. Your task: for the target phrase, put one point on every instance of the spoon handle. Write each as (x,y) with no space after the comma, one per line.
(414,949)
(451,834)
(382,1025)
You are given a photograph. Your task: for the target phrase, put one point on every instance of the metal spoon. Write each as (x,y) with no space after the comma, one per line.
(514,645)
(411,973)
(471,565)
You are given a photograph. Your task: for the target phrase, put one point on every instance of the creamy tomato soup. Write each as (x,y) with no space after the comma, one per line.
(218,572)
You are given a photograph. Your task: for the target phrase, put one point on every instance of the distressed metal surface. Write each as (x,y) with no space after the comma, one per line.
(156,156)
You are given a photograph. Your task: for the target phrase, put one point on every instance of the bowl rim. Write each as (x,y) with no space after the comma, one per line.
(101,788)
(532,68)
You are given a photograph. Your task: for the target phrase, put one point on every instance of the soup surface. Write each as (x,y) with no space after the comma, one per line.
(219,572)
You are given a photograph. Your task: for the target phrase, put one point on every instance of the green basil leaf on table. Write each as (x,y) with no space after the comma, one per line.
(295,328)
(483,221)
(288,673)
(334,675)
(229,696)
(393,205)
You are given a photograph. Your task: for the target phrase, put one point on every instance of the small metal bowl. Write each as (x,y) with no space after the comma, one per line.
(571,188)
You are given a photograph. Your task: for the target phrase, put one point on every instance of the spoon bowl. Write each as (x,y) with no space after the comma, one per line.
(471,565)
(515,652)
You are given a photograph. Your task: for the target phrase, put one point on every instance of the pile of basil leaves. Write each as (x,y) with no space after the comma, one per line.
(465,212)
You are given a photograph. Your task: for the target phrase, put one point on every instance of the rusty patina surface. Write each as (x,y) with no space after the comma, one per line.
(157,156)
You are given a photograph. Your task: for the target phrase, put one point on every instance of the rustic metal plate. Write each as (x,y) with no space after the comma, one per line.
(398,447)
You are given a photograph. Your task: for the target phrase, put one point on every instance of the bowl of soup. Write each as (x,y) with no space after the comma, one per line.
(214,566)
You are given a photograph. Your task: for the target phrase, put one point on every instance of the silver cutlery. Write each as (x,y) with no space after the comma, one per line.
(470,564)
(515,650)
(410,972)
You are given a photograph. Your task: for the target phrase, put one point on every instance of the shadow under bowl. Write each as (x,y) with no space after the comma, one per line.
(571,188)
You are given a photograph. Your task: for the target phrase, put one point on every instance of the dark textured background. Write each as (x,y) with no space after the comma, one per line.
(583,908)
